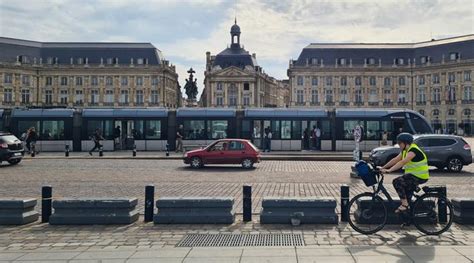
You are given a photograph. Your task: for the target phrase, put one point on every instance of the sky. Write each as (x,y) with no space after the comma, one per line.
(276,30)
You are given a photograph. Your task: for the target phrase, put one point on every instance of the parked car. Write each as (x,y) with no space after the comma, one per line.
(449,151)
(224,151)
(11,149)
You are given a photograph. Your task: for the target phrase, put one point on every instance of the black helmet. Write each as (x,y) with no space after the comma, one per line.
(405,137)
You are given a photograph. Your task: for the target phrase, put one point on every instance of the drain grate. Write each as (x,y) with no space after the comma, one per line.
(241,240)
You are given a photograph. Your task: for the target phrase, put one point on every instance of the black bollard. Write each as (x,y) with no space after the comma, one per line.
(33,149)
(344,202)
(66,150)
(101,151)
(134,153)
(442,207)
(46,200)
(149,202)
(167,149)
(247,203)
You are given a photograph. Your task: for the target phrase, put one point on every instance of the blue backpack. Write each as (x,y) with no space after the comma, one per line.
(366,173)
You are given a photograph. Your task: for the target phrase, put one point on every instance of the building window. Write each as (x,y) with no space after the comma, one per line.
(436,95)
(467,75)
(109,81)
(436,79)
(232,95)
(372,81)
(299,81)
(140,61)
(402,96)
(299,97)
(219,100)
(49,81)
(139,97)
(373,95)
(421,80)
(48,97)
(25,80)
(422,112)
(94,97)
(452,77)
(436,112)
(342,61)
(49,60)
(344,96)
(78,81)
(219,86)
(246,99)
(139,81)
(328,81)
(401,81)
(358,81)
(124,96)
(387,96)
(314,81)
(314,61)
(25,96)
(451,94)
(400,61)
(246,86)
(328,95)
(79,100)
(80,61)
(370,61)
(451,111)
(94,81)
(110,61)
(8,78)
(358,96)
(421,95)
(467,93)
(343,81)
(424,59)
(386,81)
(155,81)
(63,81)
(109,96)
(8,95)
(124,81)
(63,94)
(453,55)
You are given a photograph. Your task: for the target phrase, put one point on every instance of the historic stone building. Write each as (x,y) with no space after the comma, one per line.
(47,74)
(433,78)
(234,79)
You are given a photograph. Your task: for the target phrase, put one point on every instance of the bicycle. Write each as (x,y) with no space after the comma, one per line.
(430,212)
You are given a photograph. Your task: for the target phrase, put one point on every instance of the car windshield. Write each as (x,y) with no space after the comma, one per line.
(9,139)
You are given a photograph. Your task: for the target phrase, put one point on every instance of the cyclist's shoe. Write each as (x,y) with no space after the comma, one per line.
(401,209)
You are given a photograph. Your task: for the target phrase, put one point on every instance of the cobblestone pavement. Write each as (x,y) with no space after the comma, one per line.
(127,178)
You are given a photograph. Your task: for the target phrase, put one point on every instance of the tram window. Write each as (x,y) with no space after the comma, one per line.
(92,126)
(349,127)
(52,130)
(194,130)
(137,131)
(286,129)
(257,129)
(275,130)
(388,127)
(246,134)
(325,130)
(217,129)
(296,130)
(153,129)
(109,129)
(23,127)
(373,130)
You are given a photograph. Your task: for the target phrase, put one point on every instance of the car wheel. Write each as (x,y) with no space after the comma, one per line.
(196,162)
(247,163)
(14,161)
(454,164)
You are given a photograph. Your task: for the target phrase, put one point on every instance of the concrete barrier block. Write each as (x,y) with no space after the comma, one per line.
(309,210)
(194,210)
(18,211)
(101,211)
(463,210)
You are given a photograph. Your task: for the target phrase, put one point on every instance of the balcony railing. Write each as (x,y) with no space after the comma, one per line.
(329,103)
(435,102)
(467,101)
(315,103)
(402,103)
(344,103)
(373,103)
(450,102)
(359,103)
(299,103)
(421,103)
(108,104)
(388,103)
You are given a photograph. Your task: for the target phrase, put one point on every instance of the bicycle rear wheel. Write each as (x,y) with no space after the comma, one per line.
(367,213)
(432,214)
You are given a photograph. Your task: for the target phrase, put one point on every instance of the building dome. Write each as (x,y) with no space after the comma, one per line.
(235,29)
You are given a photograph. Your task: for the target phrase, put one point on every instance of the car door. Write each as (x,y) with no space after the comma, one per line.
(233,153)
(441,149)
(214,154)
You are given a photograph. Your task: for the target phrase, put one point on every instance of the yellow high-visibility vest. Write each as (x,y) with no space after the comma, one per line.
(419,169)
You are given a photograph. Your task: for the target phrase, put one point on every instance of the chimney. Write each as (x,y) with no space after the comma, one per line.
(254,55)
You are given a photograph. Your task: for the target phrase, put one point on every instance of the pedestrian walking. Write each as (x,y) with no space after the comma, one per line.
(117,133)
(31,138)
(96,137)
(269,139)
(179,139)
(318,138)
(306,139)
(313,138)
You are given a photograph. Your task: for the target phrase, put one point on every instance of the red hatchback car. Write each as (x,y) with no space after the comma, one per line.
(225,151)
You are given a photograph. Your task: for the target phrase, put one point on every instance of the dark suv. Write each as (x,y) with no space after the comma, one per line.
(11,149)
(449,151)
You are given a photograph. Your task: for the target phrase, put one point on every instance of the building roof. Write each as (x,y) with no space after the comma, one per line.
(387,52)
(10,48)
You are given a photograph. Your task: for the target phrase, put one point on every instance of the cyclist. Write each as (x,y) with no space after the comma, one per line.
(414,162)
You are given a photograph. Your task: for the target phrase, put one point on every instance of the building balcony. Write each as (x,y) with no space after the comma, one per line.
(467,101)
(79,104)
(108,104)
(373,103)
(359,103)
(344,103)
(451,102)
(402,103)
(123,103)
(388,103)
(315,103)
(436,102)
(139,104)
(419,103)
(329,103)
(299,104)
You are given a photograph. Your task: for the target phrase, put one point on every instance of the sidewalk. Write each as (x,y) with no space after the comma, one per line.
(456,254)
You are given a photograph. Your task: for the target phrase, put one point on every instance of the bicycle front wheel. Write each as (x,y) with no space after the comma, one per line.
(432,214)
(367,213)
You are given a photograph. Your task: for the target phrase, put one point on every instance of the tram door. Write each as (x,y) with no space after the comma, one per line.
(258,133)
(125,140)
(306,129)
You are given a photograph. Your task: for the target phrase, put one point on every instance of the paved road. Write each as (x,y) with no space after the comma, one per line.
(113,178)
